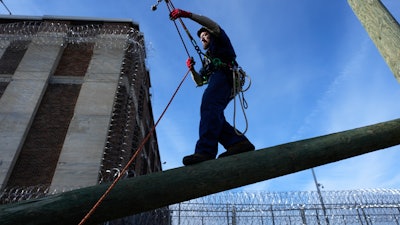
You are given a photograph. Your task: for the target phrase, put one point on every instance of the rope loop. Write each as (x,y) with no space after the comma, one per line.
(239,79)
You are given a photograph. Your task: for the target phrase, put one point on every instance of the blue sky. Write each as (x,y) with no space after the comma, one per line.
(314,71)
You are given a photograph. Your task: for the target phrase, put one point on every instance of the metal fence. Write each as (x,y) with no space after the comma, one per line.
(370,207)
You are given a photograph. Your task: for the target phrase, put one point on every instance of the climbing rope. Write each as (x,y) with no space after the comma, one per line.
(239,78)
(171,7)
(139,149)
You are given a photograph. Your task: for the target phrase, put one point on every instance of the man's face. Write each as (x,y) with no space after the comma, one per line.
(205,39)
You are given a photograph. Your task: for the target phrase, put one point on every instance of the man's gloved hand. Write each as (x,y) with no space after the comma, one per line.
(190,63)
(177,13)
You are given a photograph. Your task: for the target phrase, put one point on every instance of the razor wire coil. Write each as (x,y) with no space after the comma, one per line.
(52,33)
(370,206)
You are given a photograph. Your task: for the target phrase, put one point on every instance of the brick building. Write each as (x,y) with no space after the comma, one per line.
(74,104)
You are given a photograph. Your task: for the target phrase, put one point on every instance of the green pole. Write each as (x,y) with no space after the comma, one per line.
(152,191)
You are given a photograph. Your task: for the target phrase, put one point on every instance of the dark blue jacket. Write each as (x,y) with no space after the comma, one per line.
(221,47)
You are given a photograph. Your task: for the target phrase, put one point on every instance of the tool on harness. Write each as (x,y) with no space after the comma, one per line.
(212,64)
(239,75)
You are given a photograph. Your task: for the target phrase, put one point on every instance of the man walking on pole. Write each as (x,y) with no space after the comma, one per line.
(219,59)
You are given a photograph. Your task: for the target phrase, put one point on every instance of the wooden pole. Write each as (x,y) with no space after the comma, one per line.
(382,28)
(148,192)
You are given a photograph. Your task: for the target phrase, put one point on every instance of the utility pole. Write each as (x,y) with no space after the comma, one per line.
(382,28)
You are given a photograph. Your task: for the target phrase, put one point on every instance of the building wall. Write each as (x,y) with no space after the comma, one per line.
(20,100)
(3,85)
(83,147)
(61,123)
(41,149)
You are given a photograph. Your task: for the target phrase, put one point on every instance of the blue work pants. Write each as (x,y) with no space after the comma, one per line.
(213,126)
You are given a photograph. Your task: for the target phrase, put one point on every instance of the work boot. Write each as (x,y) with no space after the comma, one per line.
(240,147)
(196,158)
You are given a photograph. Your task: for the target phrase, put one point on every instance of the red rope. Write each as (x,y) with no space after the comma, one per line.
(93,209)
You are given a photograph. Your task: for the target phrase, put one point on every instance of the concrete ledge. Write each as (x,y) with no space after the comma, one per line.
(40,76)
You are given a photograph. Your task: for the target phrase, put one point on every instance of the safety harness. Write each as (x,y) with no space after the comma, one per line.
(239,77)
